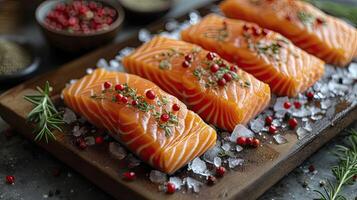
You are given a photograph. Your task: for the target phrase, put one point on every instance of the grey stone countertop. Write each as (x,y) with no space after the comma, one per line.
(39,175)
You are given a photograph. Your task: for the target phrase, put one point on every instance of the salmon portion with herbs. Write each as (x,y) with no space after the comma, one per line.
(267,55)
(324,36)
(154,125)
(217,90)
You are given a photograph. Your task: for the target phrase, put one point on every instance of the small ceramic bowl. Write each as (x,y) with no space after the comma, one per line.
(143,16)
(78,42)
(26,72)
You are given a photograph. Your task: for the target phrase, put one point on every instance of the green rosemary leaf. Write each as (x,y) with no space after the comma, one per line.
(305,17)
(44,114)
(344,171)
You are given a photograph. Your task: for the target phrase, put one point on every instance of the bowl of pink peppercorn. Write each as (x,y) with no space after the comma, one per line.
(77,26)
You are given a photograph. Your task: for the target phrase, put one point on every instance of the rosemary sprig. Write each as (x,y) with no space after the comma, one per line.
(44,114)
(344,171)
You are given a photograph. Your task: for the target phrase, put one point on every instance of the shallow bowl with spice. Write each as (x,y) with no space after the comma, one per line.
(18,60)
(77,26)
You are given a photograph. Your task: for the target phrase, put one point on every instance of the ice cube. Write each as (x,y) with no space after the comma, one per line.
(157,177)
(89,70)
(280,114)
(89,140)
(133,161)
(258,124)
(69,116)
(301,133)
(117,151)
(78,131)
(316,117)
(102,63)
(307,126)
(325,104)
(353,70)
(276,122)
(212,153)
(171,25)
(198,166)
(194,17)
(114,63)
(239,148)
(279,139)
(226,146)
(240,131)
(217,161)
(177,182)
(144,35)
(279,104)
(234,162)
(193,184)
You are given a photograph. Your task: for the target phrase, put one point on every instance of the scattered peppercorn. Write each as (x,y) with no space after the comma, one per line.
(186,64)
(118,97)
(241,141)
(124,100)
(222,82)
(297,104)
(287,105)
(310,96)
(129,176)
(268,120)
(311,168)
(165,117)
(220,171)
(211,56)
(211,180)
(249,141)
(293,123)
(10,179)
(134,102)
(272,129)
(255,143)
(175,107)
(227,77)
(119,87)
(214,68)
(189,58)
(170,188)
(99,140)
(233,68)
(150,94)
(107,85)
(82,145)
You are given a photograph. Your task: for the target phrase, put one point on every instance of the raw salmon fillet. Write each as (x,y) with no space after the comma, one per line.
(165,145)
(324,36)
(265,54)
(185,70)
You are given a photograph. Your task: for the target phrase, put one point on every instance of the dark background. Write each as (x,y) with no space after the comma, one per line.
(34,168)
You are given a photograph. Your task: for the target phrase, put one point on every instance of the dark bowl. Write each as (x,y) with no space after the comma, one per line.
(78,42)
(144,16)
(25,73)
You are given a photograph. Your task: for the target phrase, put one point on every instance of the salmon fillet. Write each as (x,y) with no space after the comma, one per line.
(324,36)
(218,91)
(265,54)
(164,144)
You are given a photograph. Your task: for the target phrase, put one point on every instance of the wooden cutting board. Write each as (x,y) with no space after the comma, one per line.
(264,168)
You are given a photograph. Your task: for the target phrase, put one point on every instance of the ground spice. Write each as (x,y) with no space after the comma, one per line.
(13,57)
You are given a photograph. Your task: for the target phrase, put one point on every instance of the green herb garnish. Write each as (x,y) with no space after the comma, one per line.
(344,171)
(44,115)
(305,17)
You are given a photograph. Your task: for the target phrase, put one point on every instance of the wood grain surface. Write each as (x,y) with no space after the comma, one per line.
(264,167)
